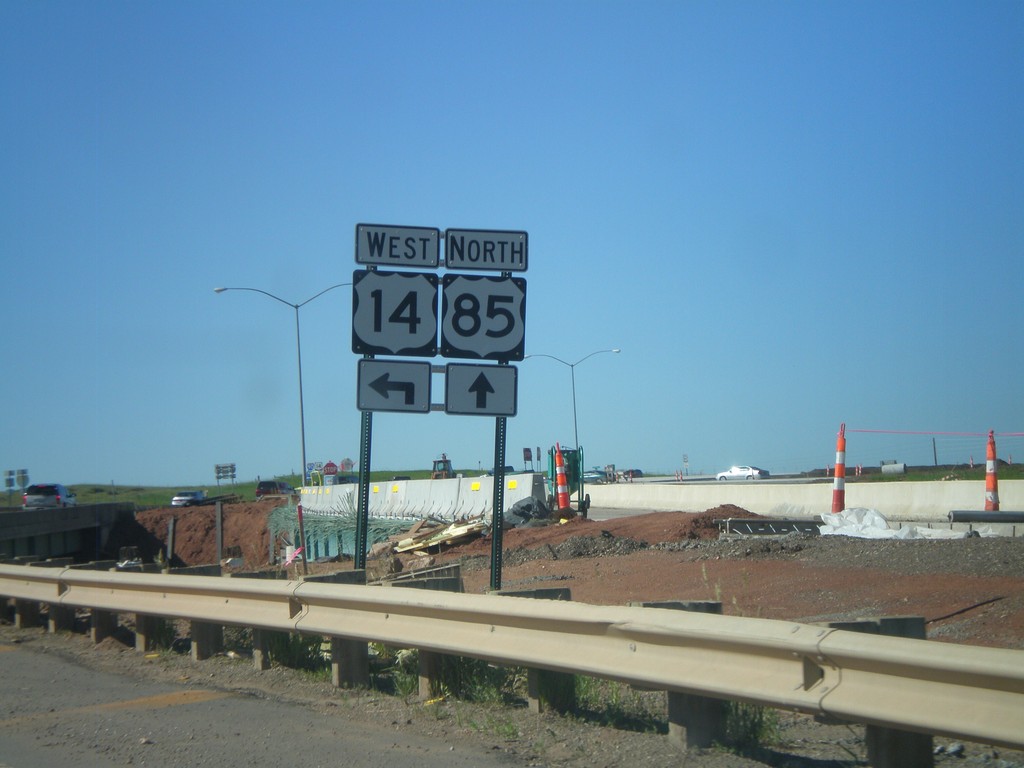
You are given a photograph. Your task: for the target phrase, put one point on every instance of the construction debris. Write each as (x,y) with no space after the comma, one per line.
(431,535)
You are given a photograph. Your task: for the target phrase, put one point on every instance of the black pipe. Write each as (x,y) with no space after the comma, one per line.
(967,516)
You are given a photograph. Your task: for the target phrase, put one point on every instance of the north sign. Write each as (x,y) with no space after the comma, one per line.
(481,390)
(394,313)
(382,245)
(393,385)
(483,318)
(481,249)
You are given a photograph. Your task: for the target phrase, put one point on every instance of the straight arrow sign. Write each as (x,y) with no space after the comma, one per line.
(482,387)
(393,385)
(481,390)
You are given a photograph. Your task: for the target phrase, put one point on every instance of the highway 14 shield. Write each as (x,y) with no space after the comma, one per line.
(394,313)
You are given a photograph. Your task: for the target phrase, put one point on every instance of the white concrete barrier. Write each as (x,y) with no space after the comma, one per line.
(443,499)
(930,500)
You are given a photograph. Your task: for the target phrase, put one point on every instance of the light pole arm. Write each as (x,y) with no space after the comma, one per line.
(325,290)
(257,290)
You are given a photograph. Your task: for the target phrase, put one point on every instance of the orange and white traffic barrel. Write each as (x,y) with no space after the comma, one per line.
(991,476)
(839,484)
(561,482)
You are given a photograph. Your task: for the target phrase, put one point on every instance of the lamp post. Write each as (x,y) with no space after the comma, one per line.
(575,426)
(298,350)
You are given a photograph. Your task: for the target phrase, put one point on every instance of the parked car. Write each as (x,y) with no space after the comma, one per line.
(188,498)
(632,474)
(273,488)
(48,495)
(743,473)
(594,476)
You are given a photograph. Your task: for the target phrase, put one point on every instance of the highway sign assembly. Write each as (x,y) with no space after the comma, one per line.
(481,390)
(483,318)
(410,313)
(393,385)
(394,313)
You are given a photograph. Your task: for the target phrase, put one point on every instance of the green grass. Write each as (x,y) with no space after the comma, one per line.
(948,472)
(148,497)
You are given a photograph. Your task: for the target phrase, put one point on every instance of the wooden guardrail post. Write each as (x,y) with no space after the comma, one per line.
(547,690)
(102,624)
(693,721)
(207,637)
(260,637)
(26,614)
(891,747)
(429,661)
(350,659)
(146,629)
(58,617)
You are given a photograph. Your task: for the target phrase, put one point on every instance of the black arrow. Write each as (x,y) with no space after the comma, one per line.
(383,387)
(482,387)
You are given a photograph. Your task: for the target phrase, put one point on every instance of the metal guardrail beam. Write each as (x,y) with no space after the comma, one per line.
(953,690)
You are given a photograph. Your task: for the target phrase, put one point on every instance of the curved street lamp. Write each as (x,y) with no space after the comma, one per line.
(298,349)
(575,428)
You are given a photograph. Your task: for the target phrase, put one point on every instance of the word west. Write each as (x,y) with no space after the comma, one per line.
(383,246)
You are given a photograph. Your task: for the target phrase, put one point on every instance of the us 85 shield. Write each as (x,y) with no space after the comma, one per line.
(483,318)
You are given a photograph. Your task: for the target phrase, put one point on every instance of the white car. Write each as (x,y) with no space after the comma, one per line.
(188,498)
(743,473)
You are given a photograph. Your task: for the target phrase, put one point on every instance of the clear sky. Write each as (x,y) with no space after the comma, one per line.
(788,215)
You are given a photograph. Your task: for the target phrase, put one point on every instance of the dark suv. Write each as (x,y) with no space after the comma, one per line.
(273,488)
(48,495)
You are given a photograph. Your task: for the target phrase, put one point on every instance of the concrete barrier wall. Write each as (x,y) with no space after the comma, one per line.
(443,499)
(895,500)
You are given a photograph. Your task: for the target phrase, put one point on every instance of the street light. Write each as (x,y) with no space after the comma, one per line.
(575,428)
(298,349)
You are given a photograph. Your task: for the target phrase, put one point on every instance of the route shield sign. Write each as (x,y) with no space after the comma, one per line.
(382,245)
(393,385)
(483,318)
(481,390)
(394,313)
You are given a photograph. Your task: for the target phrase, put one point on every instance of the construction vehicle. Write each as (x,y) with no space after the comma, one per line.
(442,469)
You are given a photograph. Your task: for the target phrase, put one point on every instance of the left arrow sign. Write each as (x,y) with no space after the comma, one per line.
(383,386)
(379,380)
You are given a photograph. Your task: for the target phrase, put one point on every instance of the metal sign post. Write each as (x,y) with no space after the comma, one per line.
(498,514)
(363,509)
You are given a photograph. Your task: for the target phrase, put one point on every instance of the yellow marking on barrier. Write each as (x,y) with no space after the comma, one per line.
(376,489)
(394,488)
(160,701)
(512,485)
(475,486)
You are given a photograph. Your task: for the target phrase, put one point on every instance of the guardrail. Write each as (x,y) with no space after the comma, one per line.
(958,691)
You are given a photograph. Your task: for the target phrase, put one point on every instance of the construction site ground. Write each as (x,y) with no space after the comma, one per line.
(970,591)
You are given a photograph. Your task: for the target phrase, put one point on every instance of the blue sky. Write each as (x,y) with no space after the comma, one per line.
(787,215)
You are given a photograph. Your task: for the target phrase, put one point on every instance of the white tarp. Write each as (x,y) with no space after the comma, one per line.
(864,523)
